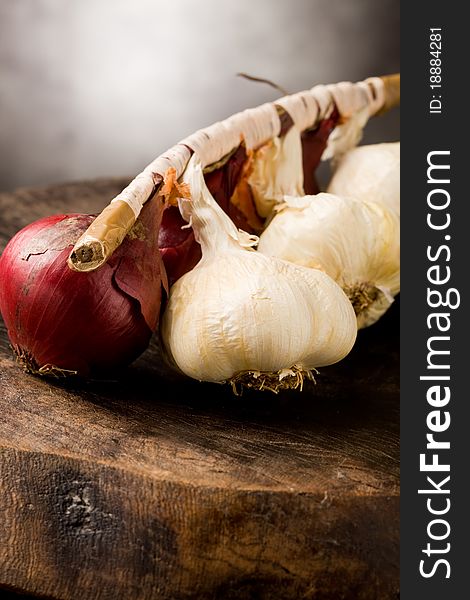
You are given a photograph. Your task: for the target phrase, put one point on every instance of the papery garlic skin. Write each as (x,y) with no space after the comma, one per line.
(277,171)
(346,135)
(370,172)
(356,243)
(239,312)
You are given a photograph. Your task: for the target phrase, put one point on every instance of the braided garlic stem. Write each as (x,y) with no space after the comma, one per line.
(356,103)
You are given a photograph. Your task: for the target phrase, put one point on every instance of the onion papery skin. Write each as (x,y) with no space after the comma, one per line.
(61,322)
(179,249)
(222,183)
(314,142)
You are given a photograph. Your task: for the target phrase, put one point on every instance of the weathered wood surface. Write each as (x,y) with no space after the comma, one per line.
(157,487)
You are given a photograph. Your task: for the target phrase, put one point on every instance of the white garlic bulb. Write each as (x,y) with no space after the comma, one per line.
(370,172)
(242,317)
(356,243)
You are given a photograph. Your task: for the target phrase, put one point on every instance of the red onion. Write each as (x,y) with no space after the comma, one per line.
(61,322)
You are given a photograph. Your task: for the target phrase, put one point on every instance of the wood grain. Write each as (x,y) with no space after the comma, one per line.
(154,486)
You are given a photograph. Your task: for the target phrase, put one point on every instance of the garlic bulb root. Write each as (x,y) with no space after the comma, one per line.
(285,379)
(369,301)
(361,295)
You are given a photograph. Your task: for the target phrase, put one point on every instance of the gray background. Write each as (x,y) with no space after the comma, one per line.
(100,87)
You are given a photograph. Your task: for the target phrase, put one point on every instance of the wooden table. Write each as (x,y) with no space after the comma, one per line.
(155,486)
